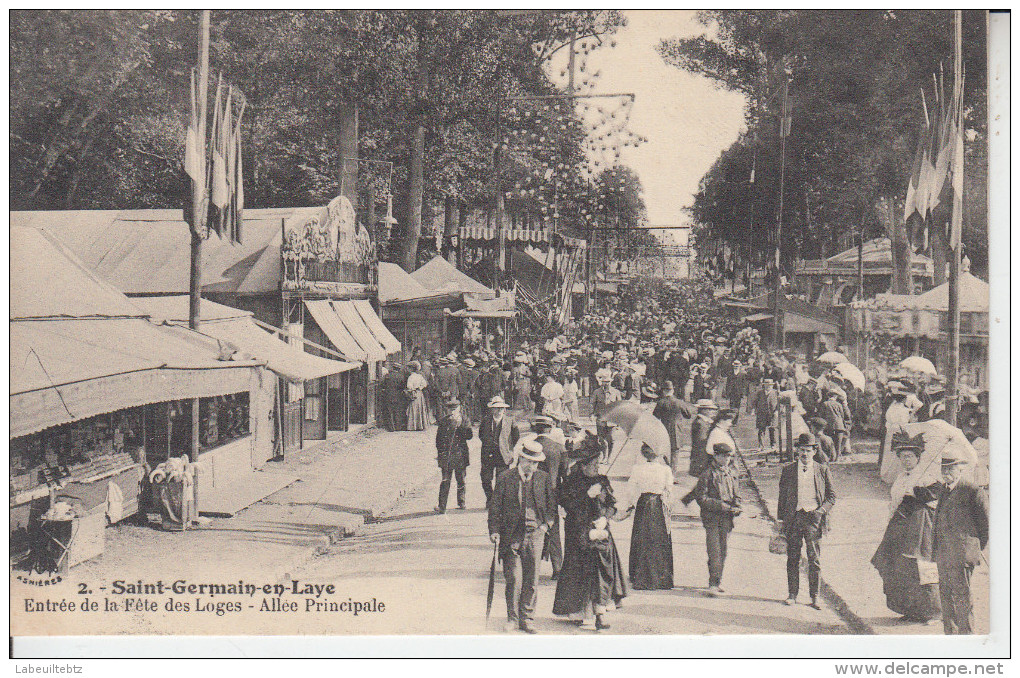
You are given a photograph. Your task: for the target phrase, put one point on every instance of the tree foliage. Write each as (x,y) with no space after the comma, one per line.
(99,105)
(855,101)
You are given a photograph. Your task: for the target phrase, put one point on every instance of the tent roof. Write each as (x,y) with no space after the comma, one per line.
(48,281)
(441,275)
(149,251)
(876,250)
(174,308)
(396,284)
(973,296)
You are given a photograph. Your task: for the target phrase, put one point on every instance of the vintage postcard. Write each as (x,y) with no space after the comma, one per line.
(501,323)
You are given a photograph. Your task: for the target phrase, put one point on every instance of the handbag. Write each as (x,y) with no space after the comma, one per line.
(927,572)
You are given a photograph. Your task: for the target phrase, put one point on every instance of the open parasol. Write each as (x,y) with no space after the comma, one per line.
(639,424)
(850,372)
(940,439)
(833,357)
(916,363)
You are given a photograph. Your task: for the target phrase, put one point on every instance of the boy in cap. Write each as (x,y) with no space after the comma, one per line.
(717,495)
(961,534)
(522,510)
(806,496)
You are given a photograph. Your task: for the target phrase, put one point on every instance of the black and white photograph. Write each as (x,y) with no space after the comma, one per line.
(505,323)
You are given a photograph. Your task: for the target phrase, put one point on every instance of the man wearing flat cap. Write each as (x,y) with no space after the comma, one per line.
(961,534)
(522,510)
(806,496)
(717,495)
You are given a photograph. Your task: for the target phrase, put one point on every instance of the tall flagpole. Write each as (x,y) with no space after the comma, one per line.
(956,228)
(198,185)
(198,222)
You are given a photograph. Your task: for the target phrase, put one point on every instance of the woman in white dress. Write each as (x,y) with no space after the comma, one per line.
(417,416)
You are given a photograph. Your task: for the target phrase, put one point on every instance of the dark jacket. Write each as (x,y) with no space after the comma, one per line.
(825,495)
(506,514)
(498,442)
(717,494)
(699,441)
(961,525)
(451,444)
(668,410)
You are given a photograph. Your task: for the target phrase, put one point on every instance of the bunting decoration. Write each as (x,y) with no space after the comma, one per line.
(212,160)
(935,187)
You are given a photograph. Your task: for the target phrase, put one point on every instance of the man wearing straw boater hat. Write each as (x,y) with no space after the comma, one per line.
(602,399)
(700,428)
(498,433)
(961,534)
(522,511)
(556,464)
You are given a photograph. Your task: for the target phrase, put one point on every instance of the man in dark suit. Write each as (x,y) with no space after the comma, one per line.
(394,385)
(522,510)
(668,410)
(452,453)
(961,533)
(498,433)
(556,465)
(806,496)
(702,424)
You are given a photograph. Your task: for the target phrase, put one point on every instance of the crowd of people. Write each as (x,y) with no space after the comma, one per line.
(698,372)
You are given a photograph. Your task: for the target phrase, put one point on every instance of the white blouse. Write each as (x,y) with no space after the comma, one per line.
(649,476)
(719,436)
(416,382)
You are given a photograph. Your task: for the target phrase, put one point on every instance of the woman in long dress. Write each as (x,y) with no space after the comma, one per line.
(907,543)
(591,580)
(651,545)
(417,414)
(522,387)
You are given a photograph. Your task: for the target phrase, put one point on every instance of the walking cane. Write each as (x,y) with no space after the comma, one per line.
(492,583)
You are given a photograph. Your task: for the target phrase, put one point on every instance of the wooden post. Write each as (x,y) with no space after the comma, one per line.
(198,216)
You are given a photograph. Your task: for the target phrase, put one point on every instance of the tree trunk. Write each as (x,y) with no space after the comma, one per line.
(349,153)
(414,200)
(902,279)
(938,254)
(449,230)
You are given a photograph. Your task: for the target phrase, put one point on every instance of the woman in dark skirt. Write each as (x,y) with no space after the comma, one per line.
(651,545)
(908,539)
(591,580)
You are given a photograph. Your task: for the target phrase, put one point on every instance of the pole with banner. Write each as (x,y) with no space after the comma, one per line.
(956,226)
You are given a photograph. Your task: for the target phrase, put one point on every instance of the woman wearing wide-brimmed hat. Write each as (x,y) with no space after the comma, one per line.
(907,541)
(591,580)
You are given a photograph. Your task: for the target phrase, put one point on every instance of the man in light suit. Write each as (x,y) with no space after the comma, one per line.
(498,433)
(521,512)
(961,533)
(805,498)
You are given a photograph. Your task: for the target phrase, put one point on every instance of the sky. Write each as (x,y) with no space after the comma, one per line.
(687,120)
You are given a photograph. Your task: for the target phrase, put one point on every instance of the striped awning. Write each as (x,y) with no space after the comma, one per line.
(343,322)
